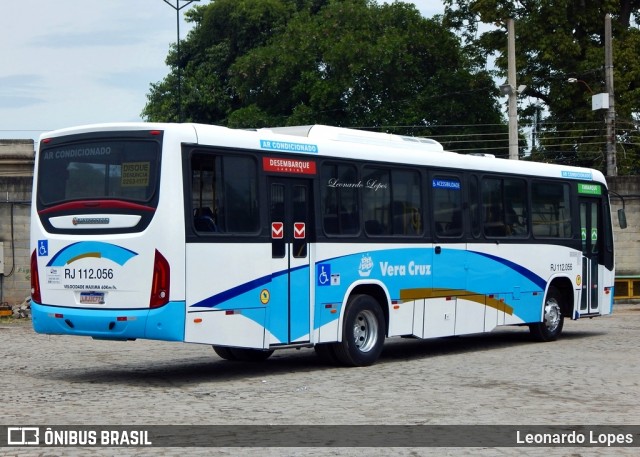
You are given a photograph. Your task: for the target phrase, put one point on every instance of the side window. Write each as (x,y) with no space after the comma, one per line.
(474,206)
(406,208)
(391,202)
(224,193)
(376,201)
(447,206)
(504,204)
(339,187)
(550,210)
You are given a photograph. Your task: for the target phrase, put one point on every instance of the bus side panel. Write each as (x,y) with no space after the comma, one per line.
(241,328)
(394,268)
(606,290)
(470,314)
(514,285)
(229,293)
(454,292)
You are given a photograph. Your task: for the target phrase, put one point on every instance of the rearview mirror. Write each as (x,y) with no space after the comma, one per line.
(622,218)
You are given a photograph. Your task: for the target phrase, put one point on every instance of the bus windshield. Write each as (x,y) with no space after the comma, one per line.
(104,169)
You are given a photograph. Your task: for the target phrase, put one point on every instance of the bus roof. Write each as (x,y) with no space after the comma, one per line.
(328,141)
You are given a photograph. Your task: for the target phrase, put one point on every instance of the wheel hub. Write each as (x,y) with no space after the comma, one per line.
(552,316)
(365,331)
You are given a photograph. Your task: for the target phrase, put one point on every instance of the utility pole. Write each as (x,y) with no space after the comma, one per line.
(511,81)
(510,89)
(177,7)
(612,166)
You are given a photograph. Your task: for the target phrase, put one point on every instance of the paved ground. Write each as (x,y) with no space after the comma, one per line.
(591,376)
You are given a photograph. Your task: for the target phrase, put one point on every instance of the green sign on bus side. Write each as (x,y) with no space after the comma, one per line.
(590,189)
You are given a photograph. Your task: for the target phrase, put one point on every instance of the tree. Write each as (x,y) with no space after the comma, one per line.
(352,63)
(557,40)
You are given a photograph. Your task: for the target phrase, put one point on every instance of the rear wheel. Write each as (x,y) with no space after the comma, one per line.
(224,352)
(363,332)
(242,354)
(250,355)
(552,321)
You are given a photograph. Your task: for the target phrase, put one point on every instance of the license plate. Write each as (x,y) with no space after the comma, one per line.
(92,298)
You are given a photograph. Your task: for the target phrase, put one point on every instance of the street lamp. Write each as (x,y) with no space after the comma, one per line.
(178,7)
(576,80)
(598,101)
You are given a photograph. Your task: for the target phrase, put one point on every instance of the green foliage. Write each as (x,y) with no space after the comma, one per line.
(355,63)
(557,40)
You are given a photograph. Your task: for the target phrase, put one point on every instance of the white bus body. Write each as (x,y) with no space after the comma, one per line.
(319,236)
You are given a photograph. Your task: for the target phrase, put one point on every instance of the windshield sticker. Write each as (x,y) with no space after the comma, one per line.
(73,153)
(288,146)
(590,189)
(577,175)
(135,174)
(305,167)
(446,184)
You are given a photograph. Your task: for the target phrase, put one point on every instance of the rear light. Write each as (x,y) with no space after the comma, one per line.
(160,282)
(35,279)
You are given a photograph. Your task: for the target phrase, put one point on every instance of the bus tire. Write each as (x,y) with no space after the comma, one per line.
(224,352)
(552,321)
(250,355)
(326,354)
(363,332)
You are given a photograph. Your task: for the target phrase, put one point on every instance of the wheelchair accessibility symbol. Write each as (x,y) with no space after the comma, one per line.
(43,248)
(324,274)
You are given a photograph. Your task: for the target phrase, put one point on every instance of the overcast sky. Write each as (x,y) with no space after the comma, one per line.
(73,62)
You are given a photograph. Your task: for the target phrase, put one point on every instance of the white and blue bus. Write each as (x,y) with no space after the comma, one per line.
(311,236)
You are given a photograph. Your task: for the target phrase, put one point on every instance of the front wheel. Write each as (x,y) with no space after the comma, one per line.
(553,320)
(363,333)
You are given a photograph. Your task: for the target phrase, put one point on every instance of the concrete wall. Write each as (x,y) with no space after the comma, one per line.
(627,241)
(16,176)
(15,206)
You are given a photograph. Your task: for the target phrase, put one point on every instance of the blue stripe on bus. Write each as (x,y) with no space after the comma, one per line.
(99,249)
(530,275)
(215,300)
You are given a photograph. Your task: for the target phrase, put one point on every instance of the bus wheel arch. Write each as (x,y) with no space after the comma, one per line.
(565,289)
(558,303)
(363,332)
(379,294)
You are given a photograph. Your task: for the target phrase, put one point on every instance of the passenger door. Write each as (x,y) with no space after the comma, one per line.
(291,212)
(590,223)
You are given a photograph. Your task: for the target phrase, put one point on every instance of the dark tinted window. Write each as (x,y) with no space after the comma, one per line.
(109,169)
(504,202)
(550,210)
(339,187)
(224,192)
(447,206)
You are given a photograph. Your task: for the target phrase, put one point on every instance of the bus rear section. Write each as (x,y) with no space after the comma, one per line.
(100,266)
